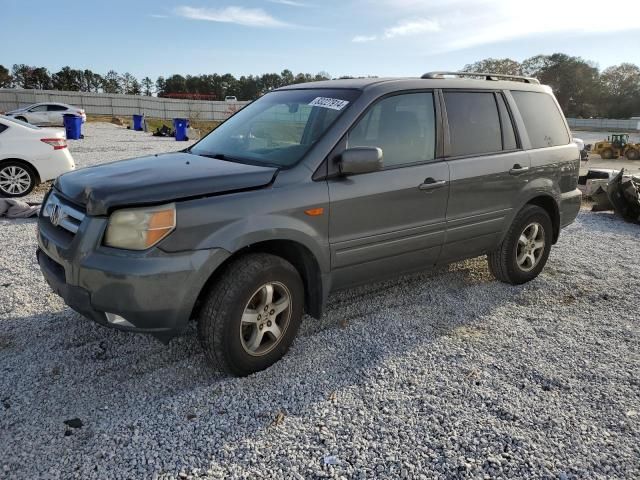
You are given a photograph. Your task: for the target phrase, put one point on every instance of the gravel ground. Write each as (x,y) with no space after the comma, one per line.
(442,375)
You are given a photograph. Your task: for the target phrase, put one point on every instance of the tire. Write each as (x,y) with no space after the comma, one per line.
(17,179)
(632,154)
(504,261)
(240,293)
(607,154)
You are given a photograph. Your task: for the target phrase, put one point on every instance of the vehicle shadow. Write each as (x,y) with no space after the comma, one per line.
(57,366)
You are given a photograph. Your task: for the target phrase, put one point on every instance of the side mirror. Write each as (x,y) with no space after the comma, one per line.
(360,160)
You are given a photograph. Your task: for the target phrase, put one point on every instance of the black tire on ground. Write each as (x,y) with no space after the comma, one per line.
(632,154)
(607,153)
(25,171)
(503,262)
(220,318)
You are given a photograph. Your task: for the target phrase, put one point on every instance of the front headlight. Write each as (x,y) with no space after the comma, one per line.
(140,228)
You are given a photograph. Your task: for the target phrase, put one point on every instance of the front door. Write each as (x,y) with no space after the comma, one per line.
(38,115)
(393,220)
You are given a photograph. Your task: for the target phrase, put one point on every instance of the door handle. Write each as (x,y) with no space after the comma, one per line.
(431,184)
(517,169)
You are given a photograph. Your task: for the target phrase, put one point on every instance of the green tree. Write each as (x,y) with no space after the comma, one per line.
(622,86)
(126,83)
(25,76)
(161,86)
(111,82)
(504,66)
(67,79)
(575,82)
(5,77)
(147,86)
(134,88)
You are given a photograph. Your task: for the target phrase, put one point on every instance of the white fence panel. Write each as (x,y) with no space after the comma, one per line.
(122,105)
(604,123)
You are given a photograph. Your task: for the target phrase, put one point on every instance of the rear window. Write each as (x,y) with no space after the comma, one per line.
(542,119)
(56,108)
(474,123)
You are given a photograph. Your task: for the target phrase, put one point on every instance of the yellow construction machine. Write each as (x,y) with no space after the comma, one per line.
(617,145)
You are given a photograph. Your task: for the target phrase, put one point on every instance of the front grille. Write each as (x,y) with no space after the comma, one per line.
(62,214)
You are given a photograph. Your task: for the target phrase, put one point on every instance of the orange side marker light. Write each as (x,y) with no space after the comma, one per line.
(314,212)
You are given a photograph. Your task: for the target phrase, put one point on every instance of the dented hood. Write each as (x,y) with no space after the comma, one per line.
(157,179)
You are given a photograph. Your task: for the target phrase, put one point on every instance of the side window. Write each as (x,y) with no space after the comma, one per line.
(39,108)
(508,134)
(3,127)
(56,108)
(403,126)
(542,119)
(474,124)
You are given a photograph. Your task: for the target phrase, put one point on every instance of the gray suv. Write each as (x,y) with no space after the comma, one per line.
(310,189)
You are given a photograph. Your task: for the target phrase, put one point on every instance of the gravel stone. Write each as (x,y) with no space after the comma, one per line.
(447,374)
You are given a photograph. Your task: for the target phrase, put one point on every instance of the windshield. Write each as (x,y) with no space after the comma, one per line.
(277,129)
(19,122)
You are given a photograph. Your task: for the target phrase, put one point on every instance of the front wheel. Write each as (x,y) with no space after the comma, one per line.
(525,249)
(251,314)
(632,154)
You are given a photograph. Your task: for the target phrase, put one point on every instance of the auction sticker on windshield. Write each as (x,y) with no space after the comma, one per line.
(332,103)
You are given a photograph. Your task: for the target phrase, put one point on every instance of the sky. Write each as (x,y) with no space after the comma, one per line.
(341,37)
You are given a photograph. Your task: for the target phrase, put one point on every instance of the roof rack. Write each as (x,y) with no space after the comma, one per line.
(487,76)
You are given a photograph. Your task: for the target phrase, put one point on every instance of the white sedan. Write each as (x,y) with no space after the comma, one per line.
(48,113)
(30,155)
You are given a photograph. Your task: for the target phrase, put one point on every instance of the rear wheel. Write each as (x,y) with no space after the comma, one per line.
(251,314)
(16,179)
(525,249)
(632,154)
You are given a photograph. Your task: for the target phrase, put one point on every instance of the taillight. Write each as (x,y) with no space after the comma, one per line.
(56,143)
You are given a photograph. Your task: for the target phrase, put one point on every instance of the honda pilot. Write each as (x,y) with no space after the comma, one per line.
(311,189)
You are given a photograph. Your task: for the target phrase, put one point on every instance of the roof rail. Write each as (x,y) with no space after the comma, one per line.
(487,76)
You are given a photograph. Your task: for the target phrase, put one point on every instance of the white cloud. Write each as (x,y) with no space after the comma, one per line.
(364,38)
(412,27)
(290,3)
(464,24)
(252,17)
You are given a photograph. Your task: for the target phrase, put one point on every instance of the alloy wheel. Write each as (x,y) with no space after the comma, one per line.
(14,180)
(265,318)
(530,247)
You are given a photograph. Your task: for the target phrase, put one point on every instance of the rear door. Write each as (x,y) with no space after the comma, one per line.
(390,221)
(488,169)
(54,114)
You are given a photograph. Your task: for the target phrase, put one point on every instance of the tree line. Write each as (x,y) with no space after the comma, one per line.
(581,88)
(246,87)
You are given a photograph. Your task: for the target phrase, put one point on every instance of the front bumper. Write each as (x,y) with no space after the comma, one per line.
(154,291)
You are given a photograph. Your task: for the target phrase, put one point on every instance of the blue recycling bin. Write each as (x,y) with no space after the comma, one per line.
(180,125)
(137,123)
(72,126)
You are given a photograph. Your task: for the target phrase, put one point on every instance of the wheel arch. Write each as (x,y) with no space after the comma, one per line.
(26,163)
(303,260)
(550,205)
